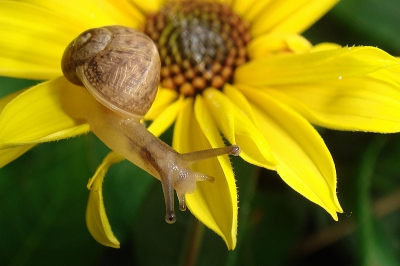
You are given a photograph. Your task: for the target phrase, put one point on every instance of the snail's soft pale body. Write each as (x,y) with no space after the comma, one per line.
(120,67)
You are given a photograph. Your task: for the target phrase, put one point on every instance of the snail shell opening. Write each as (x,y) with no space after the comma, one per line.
(120,66)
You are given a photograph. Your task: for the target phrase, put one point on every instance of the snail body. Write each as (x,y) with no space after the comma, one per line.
(120,67)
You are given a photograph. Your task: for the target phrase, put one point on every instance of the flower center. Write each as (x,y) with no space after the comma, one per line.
(200,44)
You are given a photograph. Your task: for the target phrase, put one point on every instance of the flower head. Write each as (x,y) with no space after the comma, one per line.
(240,69)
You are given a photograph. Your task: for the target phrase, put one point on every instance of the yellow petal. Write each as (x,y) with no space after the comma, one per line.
(166,118)
(9,155)
(239,129)
(253,9)
(311,67)
(304,162)
(242,7)
(368,103)
(304,17)
(36,116)
(239,99)
(36,39)
(214,204)
(289,15)
(90,14)
(325,46)
(390,74)
(148,6)
(6,99)
(39,31)
(273,44)
(223,114)
(96,217)
(163,99)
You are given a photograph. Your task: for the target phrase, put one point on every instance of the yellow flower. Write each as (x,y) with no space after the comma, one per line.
(263,100)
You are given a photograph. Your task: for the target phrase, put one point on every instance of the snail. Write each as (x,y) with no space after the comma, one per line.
(120,67)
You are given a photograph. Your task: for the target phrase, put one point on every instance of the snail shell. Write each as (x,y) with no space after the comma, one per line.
(120,66)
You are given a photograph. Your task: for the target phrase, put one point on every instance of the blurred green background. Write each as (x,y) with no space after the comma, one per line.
(43,194)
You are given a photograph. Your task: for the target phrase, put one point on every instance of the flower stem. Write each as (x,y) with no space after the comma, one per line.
(195,242)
